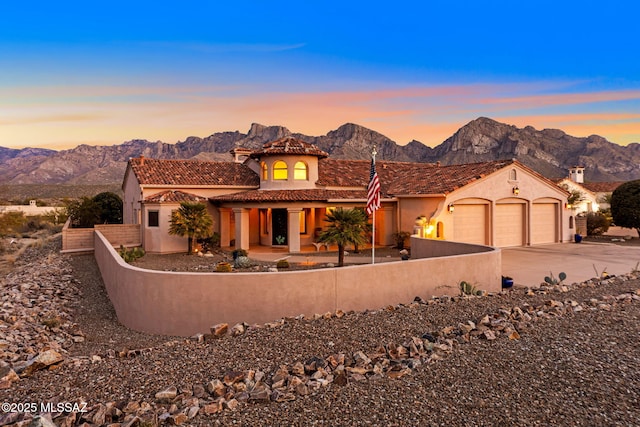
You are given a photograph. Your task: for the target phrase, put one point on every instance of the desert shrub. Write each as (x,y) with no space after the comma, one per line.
(12,223)
(109,207)
(84,213)
(597,223)
(224,267)
(283,263)
(208,243)
(131,254)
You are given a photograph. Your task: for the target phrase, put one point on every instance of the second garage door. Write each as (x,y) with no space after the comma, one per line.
(509,225)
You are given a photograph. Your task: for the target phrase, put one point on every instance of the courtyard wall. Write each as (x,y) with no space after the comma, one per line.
(186,303)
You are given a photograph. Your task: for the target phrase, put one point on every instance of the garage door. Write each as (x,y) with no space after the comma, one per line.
(469,224)
(543,223)
(509,225)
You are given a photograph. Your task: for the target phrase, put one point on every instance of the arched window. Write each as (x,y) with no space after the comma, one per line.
(300,171)
(571,222)
(280,171)
(440,230)
(513,175)
(265,171)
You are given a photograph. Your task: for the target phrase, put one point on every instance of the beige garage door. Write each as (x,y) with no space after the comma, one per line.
(469,224)
(509,225)
(543,223)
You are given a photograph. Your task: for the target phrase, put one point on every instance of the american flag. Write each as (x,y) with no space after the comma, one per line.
(373,190)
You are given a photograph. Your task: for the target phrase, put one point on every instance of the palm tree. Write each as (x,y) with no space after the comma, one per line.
(191,220)
(345,226)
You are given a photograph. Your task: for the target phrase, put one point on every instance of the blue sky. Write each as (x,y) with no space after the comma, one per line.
(104,73)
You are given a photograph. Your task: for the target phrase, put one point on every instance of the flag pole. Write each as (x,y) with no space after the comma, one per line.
(373,234)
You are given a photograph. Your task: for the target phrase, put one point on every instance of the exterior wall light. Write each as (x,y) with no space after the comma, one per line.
(450,208)
(516,190)
(568,206)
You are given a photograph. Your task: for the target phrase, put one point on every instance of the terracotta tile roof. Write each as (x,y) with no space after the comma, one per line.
(192,172)
(314,195)
(289,145)
(174,196)
(406,178)
(602,187)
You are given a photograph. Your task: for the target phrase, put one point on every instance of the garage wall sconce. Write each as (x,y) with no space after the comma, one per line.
(568,206)
(450,208)
(516,190)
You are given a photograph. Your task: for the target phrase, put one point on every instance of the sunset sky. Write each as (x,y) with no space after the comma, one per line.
(107,72)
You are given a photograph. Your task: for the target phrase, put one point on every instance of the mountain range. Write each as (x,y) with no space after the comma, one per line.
(551,152)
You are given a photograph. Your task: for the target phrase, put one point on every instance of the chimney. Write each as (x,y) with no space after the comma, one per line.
(438,163)
(576,174)
(141,160)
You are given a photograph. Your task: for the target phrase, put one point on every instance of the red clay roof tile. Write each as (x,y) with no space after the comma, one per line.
(174,196)
(289,145)
(313,195)
(192,172)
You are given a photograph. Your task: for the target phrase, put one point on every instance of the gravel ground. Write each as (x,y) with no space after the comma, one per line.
(567,367)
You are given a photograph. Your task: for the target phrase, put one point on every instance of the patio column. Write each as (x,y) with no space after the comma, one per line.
(294,229)
(242,228)
(225,227)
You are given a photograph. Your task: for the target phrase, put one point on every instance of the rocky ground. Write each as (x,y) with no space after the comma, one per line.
(556,355)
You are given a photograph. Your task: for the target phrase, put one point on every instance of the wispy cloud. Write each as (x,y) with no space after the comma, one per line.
(226,47)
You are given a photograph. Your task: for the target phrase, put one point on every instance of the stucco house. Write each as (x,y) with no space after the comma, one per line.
(593,193)
(279,195)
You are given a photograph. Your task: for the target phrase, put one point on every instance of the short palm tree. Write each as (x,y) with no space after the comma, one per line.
(191,220)
(345,226)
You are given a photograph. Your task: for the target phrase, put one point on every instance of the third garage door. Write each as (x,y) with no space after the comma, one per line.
(509,225)
(543,223)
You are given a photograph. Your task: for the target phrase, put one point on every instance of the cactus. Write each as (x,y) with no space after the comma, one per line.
(243,262)
(467,288)
(551,279)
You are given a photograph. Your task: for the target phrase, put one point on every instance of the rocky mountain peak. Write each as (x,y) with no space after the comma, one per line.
(550,152)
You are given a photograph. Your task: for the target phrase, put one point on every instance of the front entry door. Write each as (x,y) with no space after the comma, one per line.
(279,227)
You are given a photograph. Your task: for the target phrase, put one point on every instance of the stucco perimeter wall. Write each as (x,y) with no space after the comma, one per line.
(183,304)
(429,248)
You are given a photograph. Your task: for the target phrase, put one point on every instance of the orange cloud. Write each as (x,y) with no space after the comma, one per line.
(68,116)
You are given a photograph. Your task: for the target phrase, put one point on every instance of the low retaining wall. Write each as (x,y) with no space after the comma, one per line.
(172,303)
(81,239)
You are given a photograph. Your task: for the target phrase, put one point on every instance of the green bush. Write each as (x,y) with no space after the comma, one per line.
(597,224)
(131,254)
(625,205)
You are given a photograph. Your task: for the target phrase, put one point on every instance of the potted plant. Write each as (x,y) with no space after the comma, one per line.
(507,282)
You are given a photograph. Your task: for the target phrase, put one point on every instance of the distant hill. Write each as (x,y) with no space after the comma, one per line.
(551,152)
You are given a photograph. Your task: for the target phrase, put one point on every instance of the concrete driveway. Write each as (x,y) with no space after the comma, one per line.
(529,265)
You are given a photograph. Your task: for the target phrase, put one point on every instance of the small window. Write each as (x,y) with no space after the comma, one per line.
(301,172)
(280,171)
(154,219)
(265,171)
(513,175)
